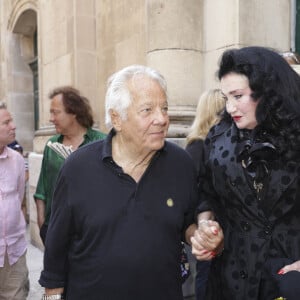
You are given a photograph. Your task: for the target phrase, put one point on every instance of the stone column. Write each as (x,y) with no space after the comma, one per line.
(174,48)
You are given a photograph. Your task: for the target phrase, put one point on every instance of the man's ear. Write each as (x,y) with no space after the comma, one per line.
(115,120)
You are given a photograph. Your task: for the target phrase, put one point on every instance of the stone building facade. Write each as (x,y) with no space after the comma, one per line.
(48,43)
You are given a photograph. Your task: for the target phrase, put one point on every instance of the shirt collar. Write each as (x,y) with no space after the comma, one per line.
(107,149)
(87,136)
(4,154)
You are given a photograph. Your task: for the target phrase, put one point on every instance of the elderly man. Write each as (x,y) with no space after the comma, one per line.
(122,205)
(14,283)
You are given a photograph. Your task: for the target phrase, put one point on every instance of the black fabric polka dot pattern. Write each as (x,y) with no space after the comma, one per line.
(256,228)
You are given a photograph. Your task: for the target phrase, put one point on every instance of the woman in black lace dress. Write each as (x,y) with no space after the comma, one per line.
(252,181)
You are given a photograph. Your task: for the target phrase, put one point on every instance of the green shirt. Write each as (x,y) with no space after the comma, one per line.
(51,165)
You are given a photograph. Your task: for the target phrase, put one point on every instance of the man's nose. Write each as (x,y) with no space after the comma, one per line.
(160,116)
(12,125)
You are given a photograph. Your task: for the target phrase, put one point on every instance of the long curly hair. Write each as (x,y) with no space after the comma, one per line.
(76,104)
(277,88)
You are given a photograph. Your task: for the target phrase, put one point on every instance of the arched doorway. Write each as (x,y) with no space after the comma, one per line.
(23,74)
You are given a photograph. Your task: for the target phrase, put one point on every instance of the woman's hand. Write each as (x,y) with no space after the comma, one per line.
(207,241)
(292,267)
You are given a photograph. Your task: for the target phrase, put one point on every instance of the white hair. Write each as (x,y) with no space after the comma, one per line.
(118,95)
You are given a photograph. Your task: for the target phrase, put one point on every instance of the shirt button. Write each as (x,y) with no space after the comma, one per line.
(245,226)
(268,230)
(243,274)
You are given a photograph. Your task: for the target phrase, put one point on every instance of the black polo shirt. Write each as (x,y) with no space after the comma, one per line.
(112,238)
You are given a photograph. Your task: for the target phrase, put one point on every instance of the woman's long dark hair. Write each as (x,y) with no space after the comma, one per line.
(277,87)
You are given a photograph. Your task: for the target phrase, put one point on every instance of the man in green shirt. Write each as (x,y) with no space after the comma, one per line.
(72,117)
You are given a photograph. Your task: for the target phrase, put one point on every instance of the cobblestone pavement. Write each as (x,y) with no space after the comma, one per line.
(35,264)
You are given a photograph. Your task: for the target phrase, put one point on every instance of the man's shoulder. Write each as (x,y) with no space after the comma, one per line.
(176,151)
(95,134)
(15,155)
(173,146)
(94,147)
(54,138)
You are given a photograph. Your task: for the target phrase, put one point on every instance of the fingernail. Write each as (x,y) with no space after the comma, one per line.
(215,231)
(280,272)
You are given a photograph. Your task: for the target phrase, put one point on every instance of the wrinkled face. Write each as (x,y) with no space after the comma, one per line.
(147,122)
(239,103)
(58,116)
(7,128)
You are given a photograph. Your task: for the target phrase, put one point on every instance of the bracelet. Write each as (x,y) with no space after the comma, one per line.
(53,297)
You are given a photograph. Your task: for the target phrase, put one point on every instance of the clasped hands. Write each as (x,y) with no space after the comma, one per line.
(208,240)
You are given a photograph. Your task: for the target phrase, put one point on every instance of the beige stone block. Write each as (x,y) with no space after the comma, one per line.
(22,82)
(210,67)
(119,20)
(220,24)
(86,7)
(41,140)
(25,125)
(60,72)
(48,46)
(131,51)
(64,70)
(47,17)
(57,41)
(86,74)
(55,11)
(22,101)
(174,24)
(86,33)
(182,70)
(268,26)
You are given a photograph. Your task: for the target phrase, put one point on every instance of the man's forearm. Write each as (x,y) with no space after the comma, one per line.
(41,207)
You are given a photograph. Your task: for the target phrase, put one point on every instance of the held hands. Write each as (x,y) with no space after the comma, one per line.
(292,267)
(207,241)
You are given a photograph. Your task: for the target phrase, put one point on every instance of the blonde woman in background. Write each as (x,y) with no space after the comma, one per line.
(210,106)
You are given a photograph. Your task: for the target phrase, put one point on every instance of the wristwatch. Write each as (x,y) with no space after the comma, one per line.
(53,297)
